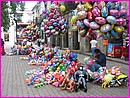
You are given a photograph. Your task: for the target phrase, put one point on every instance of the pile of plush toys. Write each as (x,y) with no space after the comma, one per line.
(55,23)
(106,78)
(61,70)
(99,19)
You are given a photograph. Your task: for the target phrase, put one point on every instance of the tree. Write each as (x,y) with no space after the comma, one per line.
(13,7)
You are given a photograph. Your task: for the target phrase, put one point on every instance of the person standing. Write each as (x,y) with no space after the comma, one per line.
(93,43)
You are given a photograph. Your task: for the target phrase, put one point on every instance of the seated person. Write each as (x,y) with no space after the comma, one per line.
(100,61)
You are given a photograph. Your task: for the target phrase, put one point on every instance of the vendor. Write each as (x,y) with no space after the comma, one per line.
(100,61)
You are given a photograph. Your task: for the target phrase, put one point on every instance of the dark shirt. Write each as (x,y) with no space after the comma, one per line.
(101,60)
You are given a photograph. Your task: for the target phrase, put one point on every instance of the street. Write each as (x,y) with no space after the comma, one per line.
(13,77)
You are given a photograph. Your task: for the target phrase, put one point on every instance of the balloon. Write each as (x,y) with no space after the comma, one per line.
(94,25)
(80,24)
(50,27)
(118,6)
(112,26)
(109,5)
(73,19)
(105,28)
(81,32)
(122,13)
(56,33)
(51,15)
(119,29)
(121,21)
(101,4)
(100,20)
(74,28)
(86,22)
(111,19)
(90,17)
(89,31)
(49,23)
(74,12)
(114,33)
(47,31)
(55,24)
(53,31)
(80,7)
(62,27)
(56,28)
(96,12)
(82,15)
(104,11)
(114,12)
(75,55)
(62,8)
(88,6)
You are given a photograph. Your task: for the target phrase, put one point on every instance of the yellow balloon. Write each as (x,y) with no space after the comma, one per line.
(62,8)
(112,26)
(119,29)
(73,19)
(88,6)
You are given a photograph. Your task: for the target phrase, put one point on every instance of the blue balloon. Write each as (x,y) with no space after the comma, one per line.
(115,34)
(104,11)
(118,6)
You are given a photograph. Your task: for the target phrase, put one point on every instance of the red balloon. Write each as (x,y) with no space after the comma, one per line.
(90,16)
(89,31)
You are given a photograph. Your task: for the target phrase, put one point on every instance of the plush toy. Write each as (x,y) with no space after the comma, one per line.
(107,79)
(81,78)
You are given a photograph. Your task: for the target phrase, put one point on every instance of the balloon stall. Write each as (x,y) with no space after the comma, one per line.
(55,23)
(100,18)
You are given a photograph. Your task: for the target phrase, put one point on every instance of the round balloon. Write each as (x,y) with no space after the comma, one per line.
(119,29)
(111,19)
(101,4)
(114,12)
(62,8)
(100,20)
(82,15)
(96,12)
(86,22)
(80,7)
(94,25)
(105,28)
(121,21)
(122,13)
(104,11)
(50,27)
(80,24)
(115,34)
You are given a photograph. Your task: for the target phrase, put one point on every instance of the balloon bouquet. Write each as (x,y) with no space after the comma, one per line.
(99,19)
(55,23)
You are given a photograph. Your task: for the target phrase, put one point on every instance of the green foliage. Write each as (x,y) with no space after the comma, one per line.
(13,7)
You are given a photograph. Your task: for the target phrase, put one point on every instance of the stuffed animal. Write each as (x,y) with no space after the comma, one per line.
(81,78)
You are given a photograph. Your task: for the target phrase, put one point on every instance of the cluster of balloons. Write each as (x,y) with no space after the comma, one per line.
(55,23)
(99,19)
(29,33)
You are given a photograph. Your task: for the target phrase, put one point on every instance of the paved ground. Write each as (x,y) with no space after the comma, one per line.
(13,70)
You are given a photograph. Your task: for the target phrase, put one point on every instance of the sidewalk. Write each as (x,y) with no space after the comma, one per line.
(118,60)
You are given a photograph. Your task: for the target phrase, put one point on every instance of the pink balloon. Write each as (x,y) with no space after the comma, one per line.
(100,20)
(121,21)
(96,12)
(114,12)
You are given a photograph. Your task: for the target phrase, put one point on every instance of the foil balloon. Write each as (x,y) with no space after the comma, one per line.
(86,22)
(114,12)
(62,8)
(74,12)
(115,34)
(73,19)
(50,27)
(112,26)
(101,4)
(90,16)
(100,20)
(118,6)
(104,11)
(82,15)
(111,19)
(80,24)
(121,21)
(55,24)
(74,28)
(96,12)
(119,29)
(48,31)
(89,31)
(88,6)
(122,13)
(80,7)
(105,28)
(94,25)
(82,32)
(109,5)
(53,31)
